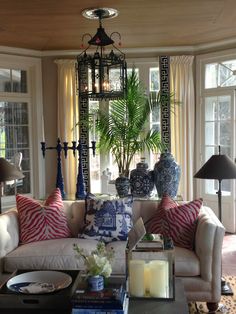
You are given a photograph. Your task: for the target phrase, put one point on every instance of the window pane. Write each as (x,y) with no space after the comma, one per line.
(156,115)
(209,151)
(226,73)
(13,81)
(154,79)
(19,81)
(211,75)
(94,162)
(224,107)
(5,80)
(210,133)
(211,108)
(225,133)
(220,74)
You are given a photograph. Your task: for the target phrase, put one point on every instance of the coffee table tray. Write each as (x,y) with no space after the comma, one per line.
(60,299)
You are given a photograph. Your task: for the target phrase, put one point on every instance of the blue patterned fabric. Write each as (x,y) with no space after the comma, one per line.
(108,220)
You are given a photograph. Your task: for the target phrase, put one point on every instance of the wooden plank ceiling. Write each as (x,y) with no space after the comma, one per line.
(58,24)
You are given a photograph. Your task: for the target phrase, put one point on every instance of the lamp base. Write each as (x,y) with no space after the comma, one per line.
(225,288)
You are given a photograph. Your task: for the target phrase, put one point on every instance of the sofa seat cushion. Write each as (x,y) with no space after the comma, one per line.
(50,254)
(187,263)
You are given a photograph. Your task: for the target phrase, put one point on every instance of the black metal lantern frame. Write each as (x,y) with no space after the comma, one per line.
(101,75)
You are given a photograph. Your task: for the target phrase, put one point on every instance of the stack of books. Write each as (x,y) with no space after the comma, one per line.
(111,300)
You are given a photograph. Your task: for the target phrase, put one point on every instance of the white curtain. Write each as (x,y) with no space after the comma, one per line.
(182,120)
(67,119)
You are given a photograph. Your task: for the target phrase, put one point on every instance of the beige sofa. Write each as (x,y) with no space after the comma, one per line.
(200,270)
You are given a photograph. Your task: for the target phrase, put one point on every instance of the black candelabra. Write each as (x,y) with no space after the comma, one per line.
(76,146)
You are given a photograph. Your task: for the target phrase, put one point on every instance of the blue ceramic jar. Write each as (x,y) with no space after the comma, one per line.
(167,175)
(141,180)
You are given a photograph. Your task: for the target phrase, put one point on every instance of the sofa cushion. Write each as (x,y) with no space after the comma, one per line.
(58,254)
(108,220)
(187,264)
(49,254)
(42,221)
(177,222)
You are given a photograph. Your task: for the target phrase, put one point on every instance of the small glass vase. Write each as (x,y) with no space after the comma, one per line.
(96,283)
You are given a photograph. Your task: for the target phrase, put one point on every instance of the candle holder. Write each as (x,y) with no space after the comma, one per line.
(59,179)
(80,184)
(150,272)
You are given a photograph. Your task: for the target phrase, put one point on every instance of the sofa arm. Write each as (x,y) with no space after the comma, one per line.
(208,244)
(9,232)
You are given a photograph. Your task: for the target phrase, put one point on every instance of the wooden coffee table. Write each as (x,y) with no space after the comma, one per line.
(179,305)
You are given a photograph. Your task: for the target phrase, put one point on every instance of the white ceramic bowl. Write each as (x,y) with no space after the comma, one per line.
(58,279)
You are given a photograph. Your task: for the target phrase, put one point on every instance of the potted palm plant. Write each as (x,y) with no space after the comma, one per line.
(122,131)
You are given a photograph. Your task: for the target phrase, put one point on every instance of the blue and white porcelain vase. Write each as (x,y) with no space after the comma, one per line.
(167,175)
(141,180)
(122,186)
(96,283)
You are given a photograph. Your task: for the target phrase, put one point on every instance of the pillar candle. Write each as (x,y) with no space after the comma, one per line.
(147,277)
(159,283)
(136,278)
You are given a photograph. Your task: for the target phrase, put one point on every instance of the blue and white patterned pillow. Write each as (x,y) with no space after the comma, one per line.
(108,220)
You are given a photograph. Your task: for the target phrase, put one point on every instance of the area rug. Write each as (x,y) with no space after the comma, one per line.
(227,303)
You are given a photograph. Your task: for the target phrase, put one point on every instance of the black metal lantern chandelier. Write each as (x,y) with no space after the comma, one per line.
(101,75)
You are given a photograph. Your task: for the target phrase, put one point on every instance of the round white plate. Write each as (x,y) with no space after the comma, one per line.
(58,279)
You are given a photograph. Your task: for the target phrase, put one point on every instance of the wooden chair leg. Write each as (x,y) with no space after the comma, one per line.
(212,307)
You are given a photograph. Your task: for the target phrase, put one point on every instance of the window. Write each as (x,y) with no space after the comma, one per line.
(150,78)
(217,132)
(216,126)
(21,129)
(14,138)
(14,125)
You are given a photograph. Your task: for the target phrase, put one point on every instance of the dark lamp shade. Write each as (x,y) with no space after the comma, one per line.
(217,167)
(8,171)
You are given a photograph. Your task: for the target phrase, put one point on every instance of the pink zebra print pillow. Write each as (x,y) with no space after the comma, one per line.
(177,222)
(42,221)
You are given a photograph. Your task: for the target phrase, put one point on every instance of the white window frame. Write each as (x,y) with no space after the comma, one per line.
(34,99)
(228,203)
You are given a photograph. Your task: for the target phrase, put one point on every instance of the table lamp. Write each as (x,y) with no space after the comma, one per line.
(7,172)
(219,167)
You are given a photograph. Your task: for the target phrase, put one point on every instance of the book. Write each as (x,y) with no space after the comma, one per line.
(151,241)
(124,309)
(111,297)
(101,303)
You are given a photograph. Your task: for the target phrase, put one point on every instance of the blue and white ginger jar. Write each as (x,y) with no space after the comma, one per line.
(122,184)
(141,180)
(167,175)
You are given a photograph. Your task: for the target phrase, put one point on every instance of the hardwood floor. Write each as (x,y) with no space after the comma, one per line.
(229,255)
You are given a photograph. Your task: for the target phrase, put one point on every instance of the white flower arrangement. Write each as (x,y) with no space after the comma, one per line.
(98,262)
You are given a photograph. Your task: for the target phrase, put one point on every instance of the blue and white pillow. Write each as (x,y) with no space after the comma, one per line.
(108,220)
